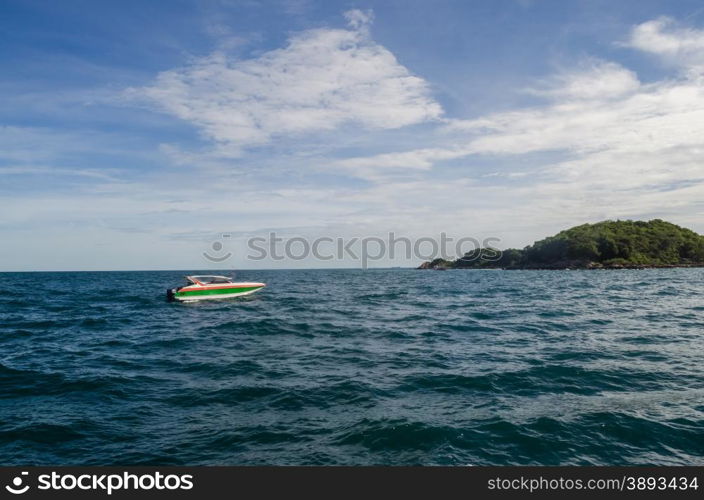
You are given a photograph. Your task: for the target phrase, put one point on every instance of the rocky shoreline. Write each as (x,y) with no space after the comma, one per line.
(590,266)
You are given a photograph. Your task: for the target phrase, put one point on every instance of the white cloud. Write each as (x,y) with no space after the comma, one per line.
(389,164)
(617,115)
(659,117)
(322,79)
(665,38)
(44,171)
(599,80)
(631,149)
(359,19)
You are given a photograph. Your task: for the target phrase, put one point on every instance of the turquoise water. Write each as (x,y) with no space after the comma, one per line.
(355,367)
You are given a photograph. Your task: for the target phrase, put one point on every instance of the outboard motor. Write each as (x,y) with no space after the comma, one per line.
(170,294)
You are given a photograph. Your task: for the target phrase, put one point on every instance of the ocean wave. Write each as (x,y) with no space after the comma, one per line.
(350,367)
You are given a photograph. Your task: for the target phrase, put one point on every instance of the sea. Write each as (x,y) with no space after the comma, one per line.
(355,367)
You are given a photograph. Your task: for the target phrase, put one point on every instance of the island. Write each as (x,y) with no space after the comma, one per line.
(619,244)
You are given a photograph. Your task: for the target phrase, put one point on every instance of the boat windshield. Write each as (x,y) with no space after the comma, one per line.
(209,280)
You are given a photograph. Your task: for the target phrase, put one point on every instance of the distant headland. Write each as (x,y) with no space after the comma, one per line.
(620,244)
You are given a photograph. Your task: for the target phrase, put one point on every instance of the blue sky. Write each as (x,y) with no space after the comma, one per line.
(133,134)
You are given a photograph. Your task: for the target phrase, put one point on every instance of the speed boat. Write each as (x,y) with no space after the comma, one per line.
(211,287)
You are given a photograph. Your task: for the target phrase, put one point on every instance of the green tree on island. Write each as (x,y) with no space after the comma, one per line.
(607,244)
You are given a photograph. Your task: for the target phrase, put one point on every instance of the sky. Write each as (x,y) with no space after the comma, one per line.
(148,134)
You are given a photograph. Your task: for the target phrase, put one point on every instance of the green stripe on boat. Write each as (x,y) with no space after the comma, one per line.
(217,291)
